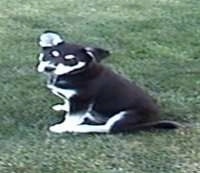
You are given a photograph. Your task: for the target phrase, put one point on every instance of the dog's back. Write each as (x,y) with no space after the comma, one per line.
(116,94)
(108,93)
(96,95)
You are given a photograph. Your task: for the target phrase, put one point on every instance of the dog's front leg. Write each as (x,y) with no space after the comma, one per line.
(84,128)
(88,129)
(59,107)
(65,107)
(69,122)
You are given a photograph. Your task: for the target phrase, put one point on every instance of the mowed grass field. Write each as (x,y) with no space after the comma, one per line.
(154,42)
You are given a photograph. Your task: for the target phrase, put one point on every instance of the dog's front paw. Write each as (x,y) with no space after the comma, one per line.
(50,86)
(59,128)
(59,108)
(63,128)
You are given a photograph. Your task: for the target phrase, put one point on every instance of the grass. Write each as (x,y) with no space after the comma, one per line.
(153,42)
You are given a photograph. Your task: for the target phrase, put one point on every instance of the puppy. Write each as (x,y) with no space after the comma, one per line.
(96,99)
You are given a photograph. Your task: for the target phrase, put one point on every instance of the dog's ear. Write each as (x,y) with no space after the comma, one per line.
(49,39)
(97,53)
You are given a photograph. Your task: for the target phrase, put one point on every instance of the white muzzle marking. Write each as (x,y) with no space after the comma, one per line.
(63,69)
(43,64)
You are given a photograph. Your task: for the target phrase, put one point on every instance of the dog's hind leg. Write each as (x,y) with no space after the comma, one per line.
(132,121)
(85,128)
(120,122)
(124,121)
(128,122)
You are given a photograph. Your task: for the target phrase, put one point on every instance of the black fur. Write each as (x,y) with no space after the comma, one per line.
(110,93)
(105,91)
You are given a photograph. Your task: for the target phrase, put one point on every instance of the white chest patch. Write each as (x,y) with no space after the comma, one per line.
(62,93)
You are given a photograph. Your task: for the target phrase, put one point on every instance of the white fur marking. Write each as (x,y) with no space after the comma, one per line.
(49,40)
(41,56)
(66,125)
(42,66)
(89,51)
(88,128)
(90,116)
(55,53)
(91,54)
(114,119)
(74,120)
(95,128)
(64,107)
(63,69)
(67,93)
(69,57)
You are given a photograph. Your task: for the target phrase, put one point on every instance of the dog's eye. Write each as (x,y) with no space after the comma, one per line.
(55,53)
(70,60)
(69,57)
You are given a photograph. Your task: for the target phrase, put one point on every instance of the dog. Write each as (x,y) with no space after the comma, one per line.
(96,99)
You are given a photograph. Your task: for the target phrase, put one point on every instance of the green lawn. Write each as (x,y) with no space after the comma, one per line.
(155,42)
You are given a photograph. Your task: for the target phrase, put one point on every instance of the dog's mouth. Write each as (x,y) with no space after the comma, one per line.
(46,67)
(49,69)
(64,69)
(59,69)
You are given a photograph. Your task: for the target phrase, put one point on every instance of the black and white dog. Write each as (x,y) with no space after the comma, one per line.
(96,99)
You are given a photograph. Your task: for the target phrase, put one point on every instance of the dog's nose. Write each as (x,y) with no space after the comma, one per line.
(49,69)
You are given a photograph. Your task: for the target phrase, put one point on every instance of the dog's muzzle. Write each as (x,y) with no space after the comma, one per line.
(47,67)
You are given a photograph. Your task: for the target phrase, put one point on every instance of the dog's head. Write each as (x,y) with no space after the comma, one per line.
(58,57)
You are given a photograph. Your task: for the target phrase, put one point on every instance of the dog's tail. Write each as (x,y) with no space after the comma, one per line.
(162,124)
